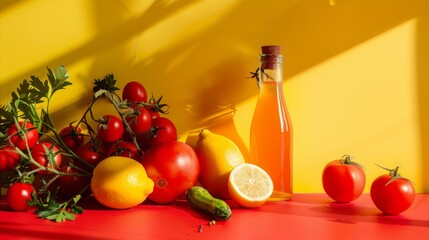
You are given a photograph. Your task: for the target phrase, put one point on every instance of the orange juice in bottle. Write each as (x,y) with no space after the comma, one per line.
(271,129)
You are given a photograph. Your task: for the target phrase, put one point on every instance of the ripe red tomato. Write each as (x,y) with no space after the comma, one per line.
(343,180)
(112,130)
(4,161)
(31,134)
(9,159)
(392,194)
(72,137)
(92,152)
(134,92)
(165,131)
(44,151)
(153,112)
(71,185)
(123,148)
(141,121)
(174,168)
(17,196)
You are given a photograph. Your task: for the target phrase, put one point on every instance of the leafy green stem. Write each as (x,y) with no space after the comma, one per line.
(52,210)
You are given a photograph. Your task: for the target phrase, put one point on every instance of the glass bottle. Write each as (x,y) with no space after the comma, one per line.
(220,121)
(271,129)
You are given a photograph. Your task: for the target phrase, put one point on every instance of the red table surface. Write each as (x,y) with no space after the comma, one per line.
(306,216)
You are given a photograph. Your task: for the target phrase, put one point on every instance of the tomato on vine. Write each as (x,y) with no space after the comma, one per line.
(343,180)
(72,137)
(153,113)
(18,194)
(134,92)
(391,193)
(70,185)
(92,152)
(9,159)
(47,155)
(16,140)
(123,148)
(111,129)
(164,130)
(140,121)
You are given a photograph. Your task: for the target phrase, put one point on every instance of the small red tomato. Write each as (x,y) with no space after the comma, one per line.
(174,168)
(92,152)
(71,185)
(31,135)
(17,196)
(391,193)
(9,158)
(153,112)
(72,137)
(165,131)
(140,121)
(111,130)
(134,92)
(343,180)
(4,161)
(42,153)
(123,148)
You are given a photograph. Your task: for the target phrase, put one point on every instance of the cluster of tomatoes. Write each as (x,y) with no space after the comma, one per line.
(344,181)
(140,133)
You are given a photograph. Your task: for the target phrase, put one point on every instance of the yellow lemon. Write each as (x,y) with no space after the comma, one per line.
(120,182)
(218,155)
(250,185)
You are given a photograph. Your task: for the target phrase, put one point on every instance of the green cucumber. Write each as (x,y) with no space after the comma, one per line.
(200,199)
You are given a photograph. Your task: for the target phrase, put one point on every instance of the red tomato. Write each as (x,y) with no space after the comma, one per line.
(72,137)
(31,134)
(4,161)
(343,180)
(165,131)
(123,148)
(174,168)
(44,151)
(112,130)
(92,153)
(17,196)
(153,112)
(134,92)
(141,121)
(392,194)
(70,185)
(9,159)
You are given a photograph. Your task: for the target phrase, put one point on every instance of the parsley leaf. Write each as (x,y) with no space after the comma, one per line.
(30,94)
(51,210)
(26,94)
(39,88)
(107,83)
(58,79)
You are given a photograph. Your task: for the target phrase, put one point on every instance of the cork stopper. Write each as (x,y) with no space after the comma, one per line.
(271,49)
(270,56)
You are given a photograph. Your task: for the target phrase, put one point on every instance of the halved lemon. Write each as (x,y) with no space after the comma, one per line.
(250,185)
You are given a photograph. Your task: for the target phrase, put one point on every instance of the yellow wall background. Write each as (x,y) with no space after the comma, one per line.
(356,73)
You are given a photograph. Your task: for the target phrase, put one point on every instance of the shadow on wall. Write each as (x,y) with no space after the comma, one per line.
(211,65)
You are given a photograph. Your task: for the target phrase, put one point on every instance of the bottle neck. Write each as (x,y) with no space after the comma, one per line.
(271,68)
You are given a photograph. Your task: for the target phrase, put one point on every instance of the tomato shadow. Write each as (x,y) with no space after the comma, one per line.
(358,211)
(3,205)
(351,214)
